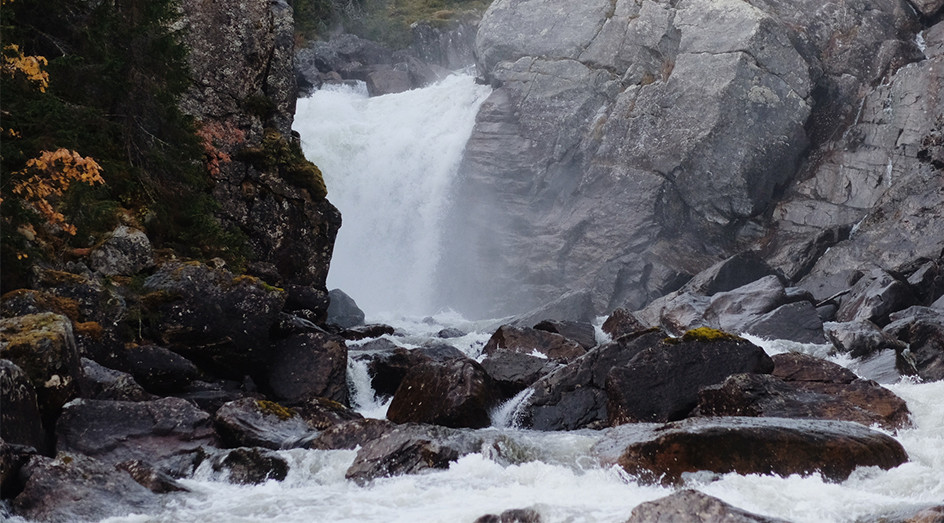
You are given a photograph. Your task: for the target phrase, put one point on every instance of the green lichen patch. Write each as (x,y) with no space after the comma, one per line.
(271,407)
(708,334)
(285,157)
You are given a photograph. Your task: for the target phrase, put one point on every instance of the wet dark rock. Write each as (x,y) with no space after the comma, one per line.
(361,332)
(860,338)
(450,332)
(797,321)
(515,515)
(874,297)
(388,80)
(571,306)
(454,393)
(210,396)
(307,298)
(388,366)
(529,341)
(43,347)
(217,320)
(922,328)
(928,515)
(260,423)
(12,459)
(20,421)
(515,371)
(309,364)
(103,383)
(762,395)
(729,274)
(662,381)
(321,413)
(581,332)
(622,322)
(115,431)
(343,311)
(352,434)
(800,367)
(79,488)
(152,479)
(83,296)
(450,46)
(691,505)
(250,466)
(573,397)
(880,367)
(157,369)
(759,446)
(412,448)
(126,251)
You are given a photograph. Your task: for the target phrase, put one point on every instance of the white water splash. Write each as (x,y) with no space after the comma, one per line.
(363,398)
(389,163)
(509,413)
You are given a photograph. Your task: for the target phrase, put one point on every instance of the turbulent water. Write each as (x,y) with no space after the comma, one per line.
(560,481)
(388,163)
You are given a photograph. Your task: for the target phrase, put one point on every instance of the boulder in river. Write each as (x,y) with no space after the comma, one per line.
(249,422)
(693,506)
(309,364)
(756,446)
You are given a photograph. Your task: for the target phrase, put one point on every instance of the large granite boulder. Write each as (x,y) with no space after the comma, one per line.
(521,340)
(216,319)
(922,328)
(126,251)
(43,347)
(116,431)
(756,446)
(453,393)
(387,364)
(20,422)
(309,364)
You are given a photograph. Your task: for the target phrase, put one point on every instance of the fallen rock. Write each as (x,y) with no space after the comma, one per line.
(922,328)
(352,434)
(126,251)
(20,422)
(43,346)
(758,446)
(533,341)
(157,369)
(388,365)
(515,372)
(514,515)
(79,488)
(860,338)
(362,332)
(321,413)
(662,381)
(250,466)
(797,321)
(213,318)
(874,297)
(343,310)
(116,431)
(250,422)
(621,322)
(411,448)
(691,505)
(150,478)
(573,397)
(581,332)
(454,393)
(102,383)
(309,364)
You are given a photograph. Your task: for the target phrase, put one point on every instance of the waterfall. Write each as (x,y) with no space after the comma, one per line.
(389,163)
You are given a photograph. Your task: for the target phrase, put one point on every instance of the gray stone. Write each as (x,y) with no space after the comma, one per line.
(874,297)
(388,81)
(249,422)
(20,422)
(796,321)
(103,383)
(343,310)
(860,338)
(309,364)
(125,251)
(691,505)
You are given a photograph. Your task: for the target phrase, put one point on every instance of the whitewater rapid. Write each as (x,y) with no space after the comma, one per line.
(389,163)
(561,481)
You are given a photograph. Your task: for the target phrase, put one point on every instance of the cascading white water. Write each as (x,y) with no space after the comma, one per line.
(389,163)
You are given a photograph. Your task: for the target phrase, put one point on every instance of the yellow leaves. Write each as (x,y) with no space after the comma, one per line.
(50,175)
(14,61)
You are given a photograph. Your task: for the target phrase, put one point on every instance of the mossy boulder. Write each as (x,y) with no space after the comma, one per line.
(43,346)
(251,422)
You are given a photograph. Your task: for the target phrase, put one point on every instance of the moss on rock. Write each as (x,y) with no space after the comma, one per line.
(709,334)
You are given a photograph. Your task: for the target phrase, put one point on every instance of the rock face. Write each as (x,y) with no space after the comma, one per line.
(241,54)
(776,446)
(691,505)
(309,364)
(20,422)
(609,157)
